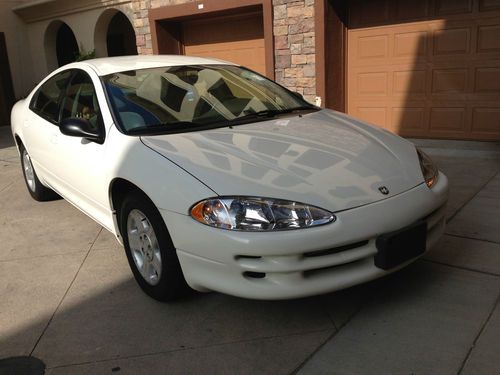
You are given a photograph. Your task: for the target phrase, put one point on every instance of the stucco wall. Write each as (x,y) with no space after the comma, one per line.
(83,25)
(18,47)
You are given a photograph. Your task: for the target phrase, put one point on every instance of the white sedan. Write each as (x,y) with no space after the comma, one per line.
(214,177)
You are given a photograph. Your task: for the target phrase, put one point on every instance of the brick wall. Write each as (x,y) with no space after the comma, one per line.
(293,40)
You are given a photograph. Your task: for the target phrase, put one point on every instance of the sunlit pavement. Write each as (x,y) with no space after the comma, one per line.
(68,297)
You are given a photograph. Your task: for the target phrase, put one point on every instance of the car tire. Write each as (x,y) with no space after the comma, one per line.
(149,248)
(35,188)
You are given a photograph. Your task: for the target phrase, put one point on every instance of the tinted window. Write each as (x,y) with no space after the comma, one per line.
(80,100)
(45,102)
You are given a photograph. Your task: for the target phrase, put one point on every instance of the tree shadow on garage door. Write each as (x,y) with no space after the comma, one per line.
(425,69)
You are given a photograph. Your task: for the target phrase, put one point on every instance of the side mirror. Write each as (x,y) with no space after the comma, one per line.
(298,95)
(80,127)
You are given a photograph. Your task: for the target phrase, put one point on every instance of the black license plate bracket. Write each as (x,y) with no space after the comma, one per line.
(400,246)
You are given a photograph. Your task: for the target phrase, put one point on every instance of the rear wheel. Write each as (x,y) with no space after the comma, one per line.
(35,187)
(149,248)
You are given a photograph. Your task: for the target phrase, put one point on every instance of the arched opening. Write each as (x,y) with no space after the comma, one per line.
(60,45)
(66,45)
(120,39)
(114,35)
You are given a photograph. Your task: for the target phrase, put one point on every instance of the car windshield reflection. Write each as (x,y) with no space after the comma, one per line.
(188,98)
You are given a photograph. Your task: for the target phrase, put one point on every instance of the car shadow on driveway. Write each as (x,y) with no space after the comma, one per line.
(6,139)
(105,322)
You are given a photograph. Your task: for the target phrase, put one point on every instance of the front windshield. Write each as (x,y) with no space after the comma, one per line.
(182,98)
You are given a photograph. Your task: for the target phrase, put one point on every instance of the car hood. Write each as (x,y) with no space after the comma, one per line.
(325,159)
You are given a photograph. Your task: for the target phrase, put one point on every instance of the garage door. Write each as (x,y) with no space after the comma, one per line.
(239,39)
(427,68)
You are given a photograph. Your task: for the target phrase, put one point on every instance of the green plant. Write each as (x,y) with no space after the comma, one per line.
(82,55)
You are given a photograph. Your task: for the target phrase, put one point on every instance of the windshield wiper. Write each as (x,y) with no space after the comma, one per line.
(270,113)
(189,126)
(165,127)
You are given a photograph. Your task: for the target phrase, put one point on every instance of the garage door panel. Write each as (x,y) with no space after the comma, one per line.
(412,119)
(449,81)
(239,39)
(489,5)
(373,84)
(448,119)
(447,7)
(372,47)
(374,115)
(410,83)
(487,80)
(454,41)
(411,44)
(485,119)
(444,73)
(488,38)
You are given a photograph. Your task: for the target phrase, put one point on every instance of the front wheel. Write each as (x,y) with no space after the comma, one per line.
(149,248)
(36,189)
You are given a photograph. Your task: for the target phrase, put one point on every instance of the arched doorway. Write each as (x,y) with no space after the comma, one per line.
(66,46)
(60,45)
(114,35)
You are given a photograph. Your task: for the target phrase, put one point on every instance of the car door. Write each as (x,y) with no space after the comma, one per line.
(41,126)
(81,164)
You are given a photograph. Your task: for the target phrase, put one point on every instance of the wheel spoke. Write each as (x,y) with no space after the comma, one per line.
(156,263)
(146,270)
(144,246)
(133,241)
(29,173)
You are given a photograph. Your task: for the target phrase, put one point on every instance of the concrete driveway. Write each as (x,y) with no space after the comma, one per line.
(67,296)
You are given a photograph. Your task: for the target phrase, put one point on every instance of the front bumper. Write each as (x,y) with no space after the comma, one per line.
(300,263)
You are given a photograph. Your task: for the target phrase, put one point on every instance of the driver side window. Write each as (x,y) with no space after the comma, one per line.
(80,100)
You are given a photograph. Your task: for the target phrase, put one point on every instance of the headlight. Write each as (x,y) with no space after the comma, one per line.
(429,169)
(258,214)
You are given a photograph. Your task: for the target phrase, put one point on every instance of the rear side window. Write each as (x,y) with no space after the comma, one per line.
(45,102)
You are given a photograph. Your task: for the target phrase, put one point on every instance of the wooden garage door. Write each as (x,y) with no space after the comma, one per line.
(239,39)
(427,68)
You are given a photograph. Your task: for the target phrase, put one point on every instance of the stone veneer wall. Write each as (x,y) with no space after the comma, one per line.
(293,40)
(294,43)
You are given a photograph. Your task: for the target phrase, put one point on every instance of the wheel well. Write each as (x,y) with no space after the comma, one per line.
(119,189)
(19,143)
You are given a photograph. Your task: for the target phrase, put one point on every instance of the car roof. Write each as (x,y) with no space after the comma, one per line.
(109,65)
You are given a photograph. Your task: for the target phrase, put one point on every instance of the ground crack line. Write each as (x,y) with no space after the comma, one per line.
(478,335)
(65,293)
(481,188)
(162,352)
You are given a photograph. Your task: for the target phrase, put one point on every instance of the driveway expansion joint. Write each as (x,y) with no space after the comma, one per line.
(448,220)
(483,326)
(471,238)
(458,267)
(187,348)
(65,293)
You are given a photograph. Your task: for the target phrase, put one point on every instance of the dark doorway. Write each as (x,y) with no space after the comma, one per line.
(66,45)
(120,38)
(6,88)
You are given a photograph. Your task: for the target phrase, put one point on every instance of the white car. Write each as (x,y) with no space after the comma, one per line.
(214,177)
